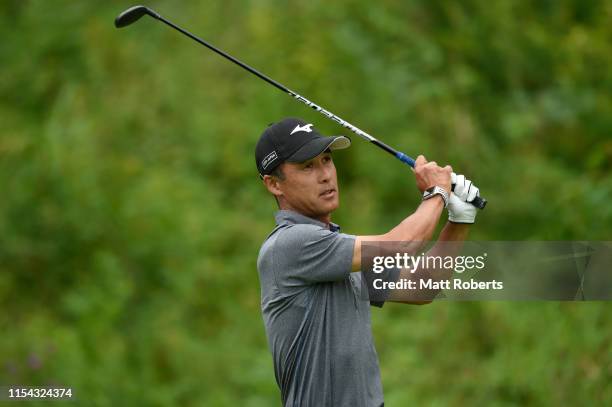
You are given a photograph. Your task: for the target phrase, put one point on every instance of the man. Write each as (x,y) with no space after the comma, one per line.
(317,325)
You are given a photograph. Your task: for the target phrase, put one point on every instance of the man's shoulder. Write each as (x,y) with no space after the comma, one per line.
(284,242)
(292,240)
(288,236)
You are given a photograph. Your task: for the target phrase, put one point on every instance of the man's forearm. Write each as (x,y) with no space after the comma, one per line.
(416,228)
(449,243)
(454,232)
(419,226)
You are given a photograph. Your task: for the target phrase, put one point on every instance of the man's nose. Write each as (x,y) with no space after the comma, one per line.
(324,173)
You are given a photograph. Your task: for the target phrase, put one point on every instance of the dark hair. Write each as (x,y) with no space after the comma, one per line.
(278,173)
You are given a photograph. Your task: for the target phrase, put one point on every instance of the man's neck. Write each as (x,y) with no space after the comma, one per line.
(325,218)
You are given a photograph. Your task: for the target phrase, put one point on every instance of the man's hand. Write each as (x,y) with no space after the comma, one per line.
(430,174)
(460,210)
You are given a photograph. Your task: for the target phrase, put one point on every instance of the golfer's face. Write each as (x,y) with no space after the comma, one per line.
(311,187)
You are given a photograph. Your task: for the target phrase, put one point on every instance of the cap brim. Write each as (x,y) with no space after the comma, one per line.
(315,147)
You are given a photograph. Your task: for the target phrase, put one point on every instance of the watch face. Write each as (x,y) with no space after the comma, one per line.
(435,190)
(429,191)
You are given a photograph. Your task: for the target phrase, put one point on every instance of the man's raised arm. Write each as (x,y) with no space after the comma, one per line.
(420,226)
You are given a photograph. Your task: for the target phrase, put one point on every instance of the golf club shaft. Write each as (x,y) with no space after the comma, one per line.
(477,202)
(301,98)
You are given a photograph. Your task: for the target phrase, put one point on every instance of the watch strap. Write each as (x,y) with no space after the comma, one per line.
(436,190)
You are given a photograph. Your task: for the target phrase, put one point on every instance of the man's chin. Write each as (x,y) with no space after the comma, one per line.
(332,205)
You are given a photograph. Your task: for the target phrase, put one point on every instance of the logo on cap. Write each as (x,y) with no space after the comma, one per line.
(307,128)
(268,159)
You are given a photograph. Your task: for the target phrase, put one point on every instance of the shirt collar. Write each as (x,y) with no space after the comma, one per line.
(290,217)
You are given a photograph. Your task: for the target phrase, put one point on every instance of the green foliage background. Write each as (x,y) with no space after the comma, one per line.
(131,212)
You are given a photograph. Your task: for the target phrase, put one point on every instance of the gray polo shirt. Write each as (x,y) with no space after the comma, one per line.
(318,326)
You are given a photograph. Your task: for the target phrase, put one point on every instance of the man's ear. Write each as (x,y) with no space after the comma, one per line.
(272,184)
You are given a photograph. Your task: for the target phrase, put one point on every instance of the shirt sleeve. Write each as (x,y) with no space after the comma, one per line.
(378,297)
(308,254)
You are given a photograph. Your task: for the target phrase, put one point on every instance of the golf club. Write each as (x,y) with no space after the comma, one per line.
(133,14)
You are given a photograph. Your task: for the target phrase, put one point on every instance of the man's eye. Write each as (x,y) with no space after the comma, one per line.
(327,159)
(308,166)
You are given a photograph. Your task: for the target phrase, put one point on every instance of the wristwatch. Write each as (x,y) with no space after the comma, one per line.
(433,191)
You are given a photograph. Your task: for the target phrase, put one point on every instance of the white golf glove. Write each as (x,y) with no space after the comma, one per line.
(460,210)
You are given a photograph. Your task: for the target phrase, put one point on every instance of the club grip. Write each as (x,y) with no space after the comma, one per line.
(404,158)
(478,202)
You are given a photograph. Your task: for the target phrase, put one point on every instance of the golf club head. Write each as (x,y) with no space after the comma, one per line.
(131,15)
